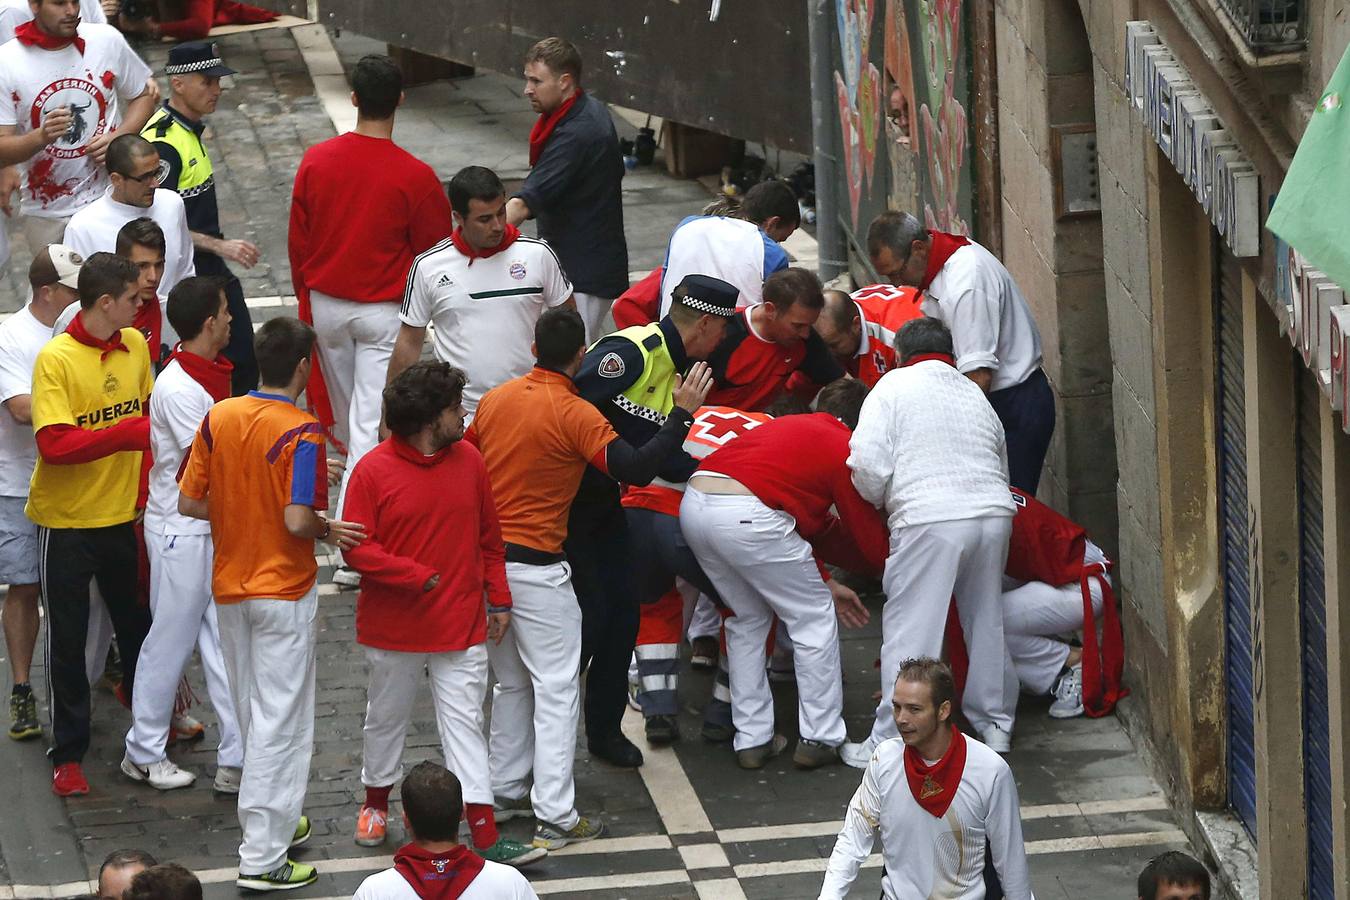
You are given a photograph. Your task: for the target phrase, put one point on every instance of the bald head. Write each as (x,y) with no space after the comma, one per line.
(839,325)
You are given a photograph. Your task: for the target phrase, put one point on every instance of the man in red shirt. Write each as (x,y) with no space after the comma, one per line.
(767,343)
(361,210)
(434,550)
(859,328)
(750,513)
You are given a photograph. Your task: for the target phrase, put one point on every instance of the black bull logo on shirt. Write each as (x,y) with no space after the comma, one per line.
(75,131)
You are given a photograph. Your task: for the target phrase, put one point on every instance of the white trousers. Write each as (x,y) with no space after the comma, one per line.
(269,655)
(355,341)
(1032,615)
(928,565)
(183,616)
(706,620)
(763,568)
(593,309)
(458,686)
(536,700)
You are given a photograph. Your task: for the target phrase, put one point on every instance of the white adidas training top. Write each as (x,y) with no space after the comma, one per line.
(927,858)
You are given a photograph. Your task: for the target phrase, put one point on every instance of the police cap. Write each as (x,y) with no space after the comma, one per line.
(706,294)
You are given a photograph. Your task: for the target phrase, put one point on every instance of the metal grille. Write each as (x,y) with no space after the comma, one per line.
(1270,26)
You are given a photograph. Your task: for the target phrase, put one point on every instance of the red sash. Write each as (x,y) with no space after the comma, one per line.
(543,128)
(943,246)
(934,787)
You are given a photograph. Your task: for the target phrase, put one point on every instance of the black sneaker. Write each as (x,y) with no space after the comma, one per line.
(23,720)
(662,730)
(616,750)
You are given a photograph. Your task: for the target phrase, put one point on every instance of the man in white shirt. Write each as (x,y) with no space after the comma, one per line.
(939,800)
(14,13)
(52,276)
(483,288)
(182,614)
(66,90)
(742,249)
(928,450)
(996,340)
(432,807)
(133,167)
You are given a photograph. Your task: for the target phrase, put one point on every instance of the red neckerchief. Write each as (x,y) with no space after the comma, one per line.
(543,128)
(923,357)
(942,247)
(508,238)
(211,374)
(77,330)
(149,321)
(413,455)
(934,787)
(31,36)
(437,876)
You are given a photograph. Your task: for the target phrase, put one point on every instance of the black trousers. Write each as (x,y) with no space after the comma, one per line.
(597,546)
(660,553)
(1027,411)
(70,558)
(239,350)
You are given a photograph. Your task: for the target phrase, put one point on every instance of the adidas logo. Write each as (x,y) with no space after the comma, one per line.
(444,281)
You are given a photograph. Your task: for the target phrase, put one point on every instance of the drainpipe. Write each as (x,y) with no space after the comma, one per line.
(829,234)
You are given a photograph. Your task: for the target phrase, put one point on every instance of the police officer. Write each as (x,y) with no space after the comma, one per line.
(194,71)
(630,375)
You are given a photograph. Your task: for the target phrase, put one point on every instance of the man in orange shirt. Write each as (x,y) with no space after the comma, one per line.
(537,436)
(257,471)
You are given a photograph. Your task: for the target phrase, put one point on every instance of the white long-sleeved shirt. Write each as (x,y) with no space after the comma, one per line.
(927,858)
(95,228)
(992,326)
(930,448)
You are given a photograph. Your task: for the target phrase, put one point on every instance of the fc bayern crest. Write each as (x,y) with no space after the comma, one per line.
(611,366)
(517,270)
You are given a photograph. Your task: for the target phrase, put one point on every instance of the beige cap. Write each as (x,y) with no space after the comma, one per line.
(56,264)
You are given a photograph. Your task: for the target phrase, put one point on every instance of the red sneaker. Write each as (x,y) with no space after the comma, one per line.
(68,780)
(120,692)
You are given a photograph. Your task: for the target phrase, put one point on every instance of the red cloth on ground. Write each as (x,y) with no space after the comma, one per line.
(943,246)
(30,35)
(200,16)
(769,461)
(482,824)
(68,445)
(390,207)
(641,303)
(934,787)
(463,246)
(437,876)
(425,516)
(543,128)
(212,374)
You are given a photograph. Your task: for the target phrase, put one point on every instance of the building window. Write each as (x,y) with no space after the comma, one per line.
(1270,26)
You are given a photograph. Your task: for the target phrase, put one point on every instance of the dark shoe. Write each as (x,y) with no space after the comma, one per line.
(705,652)
(717,734)
(23,718)
(616,750)
(756,757)
(662,730)
(814,754)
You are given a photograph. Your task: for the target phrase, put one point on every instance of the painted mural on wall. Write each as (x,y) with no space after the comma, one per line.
(927,128)
(857,85)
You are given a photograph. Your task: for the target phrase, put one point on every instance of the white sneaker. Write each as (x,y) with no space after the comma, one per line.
(162,775)
(856,755)
(346,577)
(228,779)
(1068,691)
(996,739)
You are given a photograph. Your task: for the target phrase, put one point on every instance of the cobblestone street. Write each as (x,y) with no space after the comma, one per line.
(687,824)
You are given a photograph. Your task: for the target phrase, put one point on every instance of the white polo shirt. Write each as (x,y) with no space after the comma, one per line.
(991,324)
(177,408)
(734,250)
(21,337)
(484,309)
(495,882)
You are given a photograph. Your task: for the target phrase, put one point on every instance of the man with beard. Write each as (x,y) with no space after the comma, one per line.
(936,796)
(434,551)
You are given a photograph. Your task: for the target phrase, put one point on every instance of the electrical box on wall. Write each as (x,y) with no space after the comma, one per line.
(1077,186)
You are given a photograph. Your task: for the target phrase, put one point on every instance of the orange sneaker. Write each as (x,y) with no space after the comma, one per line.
(68,780)
(183,727)
(371,827)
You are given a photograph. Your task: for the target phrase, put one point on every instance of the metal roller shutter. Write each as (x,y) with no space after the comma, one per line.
(1233,543)
(1312,609)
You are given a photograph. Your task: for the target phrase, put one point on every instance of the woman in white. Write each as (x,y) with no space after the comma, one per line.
(936,796)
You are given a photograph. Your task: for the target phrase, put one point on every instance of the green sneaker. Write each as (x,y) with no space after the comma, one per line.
(511,853)
(555,837)
(23,720)
(286,877)
(302,832)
